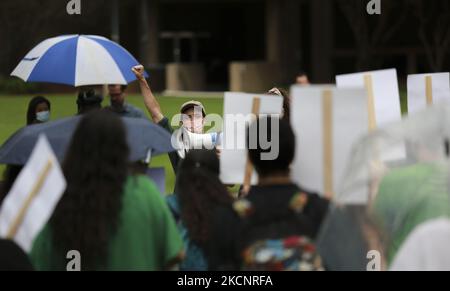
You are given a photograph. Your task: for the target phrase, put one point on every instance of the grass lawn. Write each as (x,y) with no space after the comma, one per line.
(13,116)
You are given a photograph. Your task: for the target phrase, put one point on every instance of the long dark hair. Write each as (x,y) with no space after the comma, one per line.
(200,192)
(31,112)
(96,170)
(9,177)
(286,101)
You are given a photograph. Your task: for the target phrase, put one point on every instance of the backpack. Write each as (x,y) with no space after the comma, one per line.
(275,243)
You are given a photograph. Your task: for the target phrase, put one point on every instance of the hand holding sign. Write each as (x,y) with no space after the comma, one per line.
(33,197)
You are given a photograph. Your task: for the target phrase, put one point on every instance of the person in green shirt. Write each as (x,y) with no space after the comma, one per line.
(115,221)
(407,197)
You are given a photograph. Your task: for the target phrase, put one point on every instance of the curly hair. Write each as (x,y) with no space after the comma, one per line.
(96,169)
(200,193)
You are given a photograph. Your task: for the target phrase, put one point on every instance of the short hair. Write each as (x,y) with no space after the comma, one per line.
(122,87)
(88,100)
(286,140)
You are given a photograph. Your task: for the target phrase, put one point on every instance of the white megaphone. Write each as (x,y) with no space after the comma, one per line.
(186,140)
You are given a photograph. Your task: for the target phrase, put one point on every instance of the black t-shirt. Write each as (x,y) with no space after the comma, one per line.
(266,213)
(173,156)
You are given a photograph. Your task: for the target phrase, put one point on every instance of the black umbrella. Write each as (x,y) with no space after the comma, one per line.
(143,138)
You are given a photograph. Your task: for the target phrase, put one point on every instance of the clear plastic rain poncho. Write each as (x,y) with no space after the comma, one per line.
(397,179)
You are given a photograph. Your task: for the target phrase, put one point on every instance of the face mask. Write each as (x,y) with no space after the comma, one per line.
(43,116)
(194,126)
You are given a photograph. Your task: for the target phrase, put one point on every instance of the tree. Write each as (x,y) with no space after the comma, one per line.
(24,23)
(372,31)
(21,23)
(434,30)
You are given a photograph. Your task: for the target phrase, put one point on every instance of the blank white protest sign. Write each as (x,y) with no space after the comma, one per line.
(237,115)
(383,101)
(327,122)
(427,89)
(33,197)
(383,93)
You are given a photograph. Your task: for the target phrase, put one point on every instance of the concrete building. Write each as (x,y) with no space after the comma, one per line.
(252,45)
(240,45)
(246,45)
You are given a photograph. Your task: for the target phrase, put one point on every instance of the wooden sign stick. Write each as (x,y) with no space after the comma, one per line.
(256,105)
(327,131)
(429,90)
(368,82)
(23,210)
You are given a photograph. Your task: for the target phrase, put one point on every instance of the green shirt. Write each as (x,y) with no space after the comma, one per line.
(147,237)
(173,156)
(408,197)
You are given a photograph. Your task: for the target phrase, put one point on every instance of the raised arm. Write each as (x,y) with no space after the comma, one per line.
(150,101)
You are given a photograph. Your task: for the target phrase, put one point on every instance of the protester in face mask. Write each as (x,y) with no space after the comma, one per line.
(38,110)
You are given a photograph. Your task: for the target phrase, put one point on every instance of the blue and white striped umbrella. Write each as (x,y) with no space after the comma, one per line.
(77,60)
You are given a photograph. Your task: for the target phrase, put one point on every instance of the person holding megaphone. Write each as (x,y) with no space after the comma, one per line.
(193,114)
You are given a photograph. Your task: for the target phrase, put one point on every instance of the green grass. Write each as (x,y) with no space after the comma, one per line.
(13,115)
(403,102)
(13,112)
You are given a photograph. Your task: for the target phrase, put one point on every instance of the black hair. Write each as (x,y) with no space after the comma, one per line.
(88,101)
(286,103)
(31,112)
(9,177)
(200,192)
(285,137)
(96,169)
(13,258)
(123,88)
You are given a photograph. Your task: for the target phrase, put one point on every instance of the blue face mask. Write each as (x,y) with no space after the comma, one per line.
(43,116)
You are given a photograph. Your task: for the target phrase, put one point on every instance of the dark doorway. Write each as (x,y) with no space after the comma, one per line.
(230,31)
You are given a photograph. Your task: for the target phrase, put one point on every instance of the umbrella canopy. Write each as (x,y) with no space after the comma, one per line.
(77,60)
(143,138)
